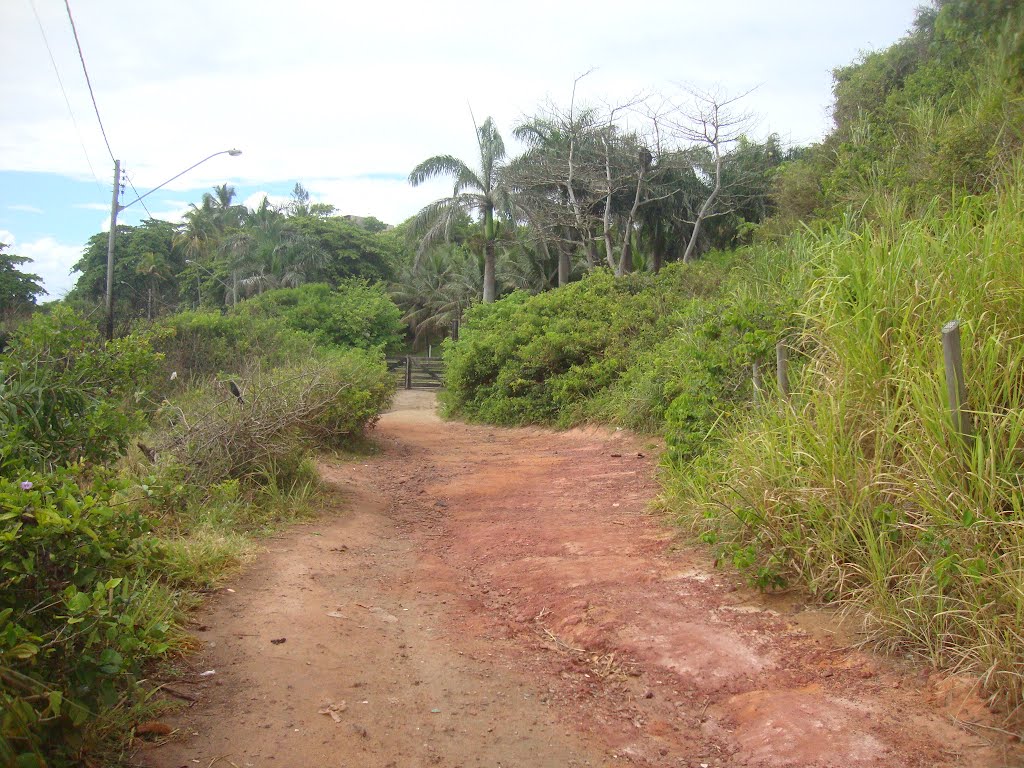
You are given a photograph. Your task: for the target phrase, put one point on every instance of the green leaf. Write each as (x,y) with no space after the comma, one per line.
(56,699)
(79,602)
(111,661)
(23,651)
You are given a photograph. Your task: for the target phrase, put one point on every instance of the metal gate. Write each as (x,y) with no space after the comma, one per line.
(418,372)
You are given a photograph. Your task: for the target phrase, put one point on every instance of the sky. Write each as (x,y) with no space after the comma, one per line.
(346,98)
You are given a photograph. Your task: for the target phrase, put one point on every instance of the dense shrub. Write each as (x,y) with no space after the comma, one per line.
(200,344)
(65,396)
(262,435)
(355,314)
(702,367)
(78,611)
(540,359)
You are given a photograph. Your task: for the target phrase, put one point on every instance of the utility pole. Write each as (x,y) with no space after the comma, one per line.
(114,209)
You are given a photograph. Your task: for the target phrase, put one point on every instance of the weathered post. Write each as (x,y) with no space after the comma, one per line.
(782,367)
(758,383)
(956,385)
(408,371)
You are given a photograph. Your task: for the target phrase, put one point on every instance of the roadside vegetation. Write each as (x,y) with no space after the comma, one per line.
(630,266)
(134,476)
(857,487)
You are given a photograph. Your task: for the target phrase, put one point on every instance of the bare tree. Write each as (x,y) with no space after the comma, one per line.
(711,120)
(608,173)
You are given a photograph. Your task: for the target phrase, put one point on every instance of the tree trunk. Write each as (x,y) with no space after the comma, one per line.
(658,247)
(704,209)
(606,220)
(626,259)
(489,277)
(657,259)
(489,281)
(591,251)
(149,304)
(564,265)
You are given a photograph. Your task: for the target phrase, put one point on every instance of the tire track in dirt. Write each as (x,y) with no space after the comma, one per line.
(501,597)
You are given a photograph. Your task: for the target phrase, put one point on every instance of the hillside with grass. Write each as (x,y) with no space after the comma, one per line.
(858,486)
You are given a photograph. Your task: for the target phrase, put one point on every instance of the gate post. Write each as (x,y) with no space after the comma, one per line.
(408,371)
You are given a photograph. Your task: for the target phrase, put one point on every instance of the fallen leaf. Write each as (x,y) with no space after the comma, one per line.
(152,728)
(279,640)
(333,710)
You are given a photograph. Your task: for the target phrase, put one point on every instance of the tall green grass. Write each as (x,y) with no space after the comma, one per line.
(859,486)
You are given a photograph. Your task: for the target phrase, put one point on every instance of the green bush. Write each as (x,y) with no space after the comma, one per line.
(199,344)
(355,314)
(361,389)
(262,436)
(541,359)
(65,396)
(702,367)
(78,612)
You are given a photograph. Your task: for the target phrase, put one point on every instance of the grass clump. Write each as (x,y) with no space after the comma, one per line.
(860,487)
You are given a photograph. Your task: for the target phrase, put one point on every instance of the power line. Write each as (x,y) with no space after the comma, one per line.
(71,112)
(137,195)
(88,82)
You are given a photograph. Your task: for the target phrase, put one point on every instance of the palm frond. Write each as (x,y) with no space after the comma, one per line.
(441,165)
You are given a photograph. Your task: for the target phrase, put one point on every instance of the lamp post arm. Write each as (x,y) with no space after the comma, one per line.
(232,152)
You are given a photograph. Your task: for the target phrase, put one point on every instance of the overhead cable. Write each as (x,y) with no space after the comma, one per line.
(71,112)
(88,82)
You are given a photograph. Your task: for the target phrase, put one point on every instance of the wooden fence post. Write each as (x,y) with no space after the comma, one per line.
(956,385)
(782,368)
(408,371)
(758,383)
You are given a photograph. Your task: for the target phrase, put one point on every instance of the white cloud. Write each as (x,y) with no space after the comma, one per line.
(173,214)
(330,94)
(24,208)
(390,200)
(51,260)
(302,102)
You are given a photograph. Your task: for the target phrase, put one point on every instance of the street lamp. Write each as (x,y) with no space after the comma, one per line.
(116,208)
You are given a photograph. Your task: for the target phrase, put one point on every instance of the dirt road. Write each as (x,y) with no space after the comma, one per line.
(491,597)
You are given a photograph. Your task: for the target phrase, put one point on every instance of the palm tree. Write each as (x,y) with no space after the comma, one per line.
(154,269)
(477,191)
(271,252)
(206,226)
(434,290)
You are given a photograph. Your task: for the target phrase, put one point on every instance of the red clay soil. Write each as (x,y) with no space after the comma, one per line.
(496,597)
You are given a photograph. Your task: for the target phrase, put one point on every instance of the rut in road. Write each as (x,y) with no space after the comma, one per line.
(495,597)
